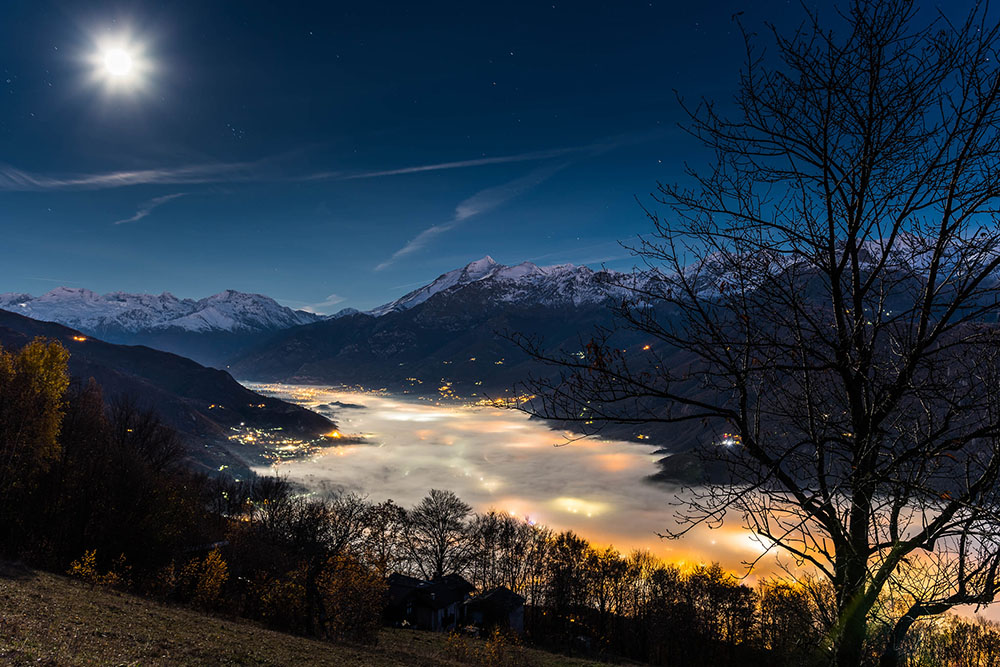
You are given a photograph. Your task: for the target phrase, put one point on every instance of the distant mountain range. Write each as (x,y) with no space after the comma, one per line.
(225,326)
(525,283)
(447,337)
(208,330)
(121,312)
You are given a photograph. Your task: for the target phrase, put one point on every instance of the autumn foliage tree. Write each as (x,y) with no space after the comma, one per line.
(33,383)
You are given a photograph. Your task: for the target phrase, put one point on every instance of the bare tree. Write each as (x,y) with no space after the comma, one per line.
(383,545)
(436,532)
(501,551)
(827,292)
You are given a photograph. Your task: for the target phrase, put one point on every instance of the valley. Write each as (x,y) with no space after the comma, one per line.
(450,339)
(499,459)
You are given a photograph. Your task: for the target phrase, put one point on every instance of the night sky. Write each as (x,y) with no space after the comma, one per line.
(336,154)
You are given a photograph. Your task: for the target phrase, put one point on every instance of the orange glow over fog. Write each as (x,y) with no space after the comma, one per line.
(498,459)
(615,462)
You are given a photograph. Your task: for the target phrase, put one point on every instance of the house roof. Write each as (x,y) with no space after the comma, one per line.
(500,597)
(402,587)
(435,594)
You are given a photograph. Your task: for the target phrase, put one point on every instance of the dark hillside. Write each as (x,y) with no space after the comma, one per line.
(200,402)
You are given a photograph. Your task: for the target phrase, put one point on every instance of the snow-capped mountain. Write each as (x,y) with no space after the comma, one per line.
(218,329)
(563,284)
(448,333)
(120,312)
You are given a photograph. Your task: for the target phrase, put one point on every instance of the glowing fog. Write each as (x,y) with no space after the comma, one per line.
(500,459)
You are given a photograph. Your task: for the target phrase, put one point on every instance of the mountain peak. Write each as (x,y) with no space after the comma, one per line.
(485,262)
(478,269)
(228,295)
(62,291)
(524,283)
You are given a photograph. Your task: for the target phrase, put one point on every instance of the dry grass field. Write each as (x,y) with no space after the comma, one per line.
(47,619)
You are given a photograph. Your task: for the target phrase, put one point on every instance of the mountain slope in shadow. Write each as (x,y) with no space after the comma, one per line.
(202,404)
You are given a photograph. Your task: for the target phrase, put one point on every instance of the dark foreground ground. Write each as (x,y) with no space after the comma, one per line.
(47,619)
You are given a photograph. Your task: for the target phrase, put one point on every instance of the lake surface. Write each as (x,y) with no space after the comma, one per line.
(500,459)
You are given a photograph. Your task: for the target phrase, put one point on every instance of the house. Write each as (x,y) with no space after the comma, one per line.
(499,608)
(427,605)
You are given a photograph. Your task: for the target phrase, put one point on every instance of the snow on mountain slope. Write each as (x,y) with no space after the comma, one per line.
(132,313)
(236,311)
(524,283)
(121,312)
(472,272)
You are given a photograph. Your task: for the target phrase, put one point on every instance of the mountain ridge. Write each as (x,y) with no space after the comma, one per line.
(130,313)
(559,284)
(220,328)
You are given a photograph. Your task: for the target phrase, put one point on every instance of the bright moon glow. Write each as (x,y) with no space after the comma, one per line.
(120,64)
(117,62)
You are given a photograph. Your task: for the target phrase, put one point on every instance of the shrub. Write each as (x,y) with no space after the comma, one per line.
(204,579)
(85,568)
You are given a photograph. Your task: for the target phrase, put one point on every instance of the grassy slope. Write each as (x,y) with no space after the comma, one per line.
(51,620)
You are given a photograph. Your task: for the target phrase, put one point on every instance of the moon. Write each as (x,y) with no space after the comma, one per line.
(120,65)
(117,62)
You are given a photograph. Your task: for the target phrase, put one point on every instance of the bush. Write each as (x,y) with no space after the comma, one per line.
(205,578)
(85,568)
(279,601)
(498,650)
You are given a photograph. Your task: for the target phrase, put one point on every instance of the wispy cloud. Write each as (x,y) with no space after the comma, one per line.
(321,307)
(271,169)
(574,253)
(594,148)
(265,170)
(463,164)
(146,208)
(477,204)
(16,180)
(491,198)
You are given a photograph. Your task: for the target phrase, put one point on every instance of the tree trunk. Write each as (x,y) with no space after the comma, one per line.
(312,598)
(852,638)
(853,616)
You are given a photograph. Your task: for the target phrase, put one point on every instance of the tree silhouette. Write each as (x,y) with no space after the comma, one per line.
(827,292)
(437,534)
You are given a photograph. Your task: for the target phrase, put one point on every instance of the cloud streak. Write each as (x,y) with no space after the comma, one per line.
(464,164)
(18,180)
(479,203)
(491,198)
(146,208)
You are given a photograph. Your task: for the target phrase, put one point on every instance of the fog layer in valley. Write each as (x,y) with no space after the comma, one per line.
(500,459)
